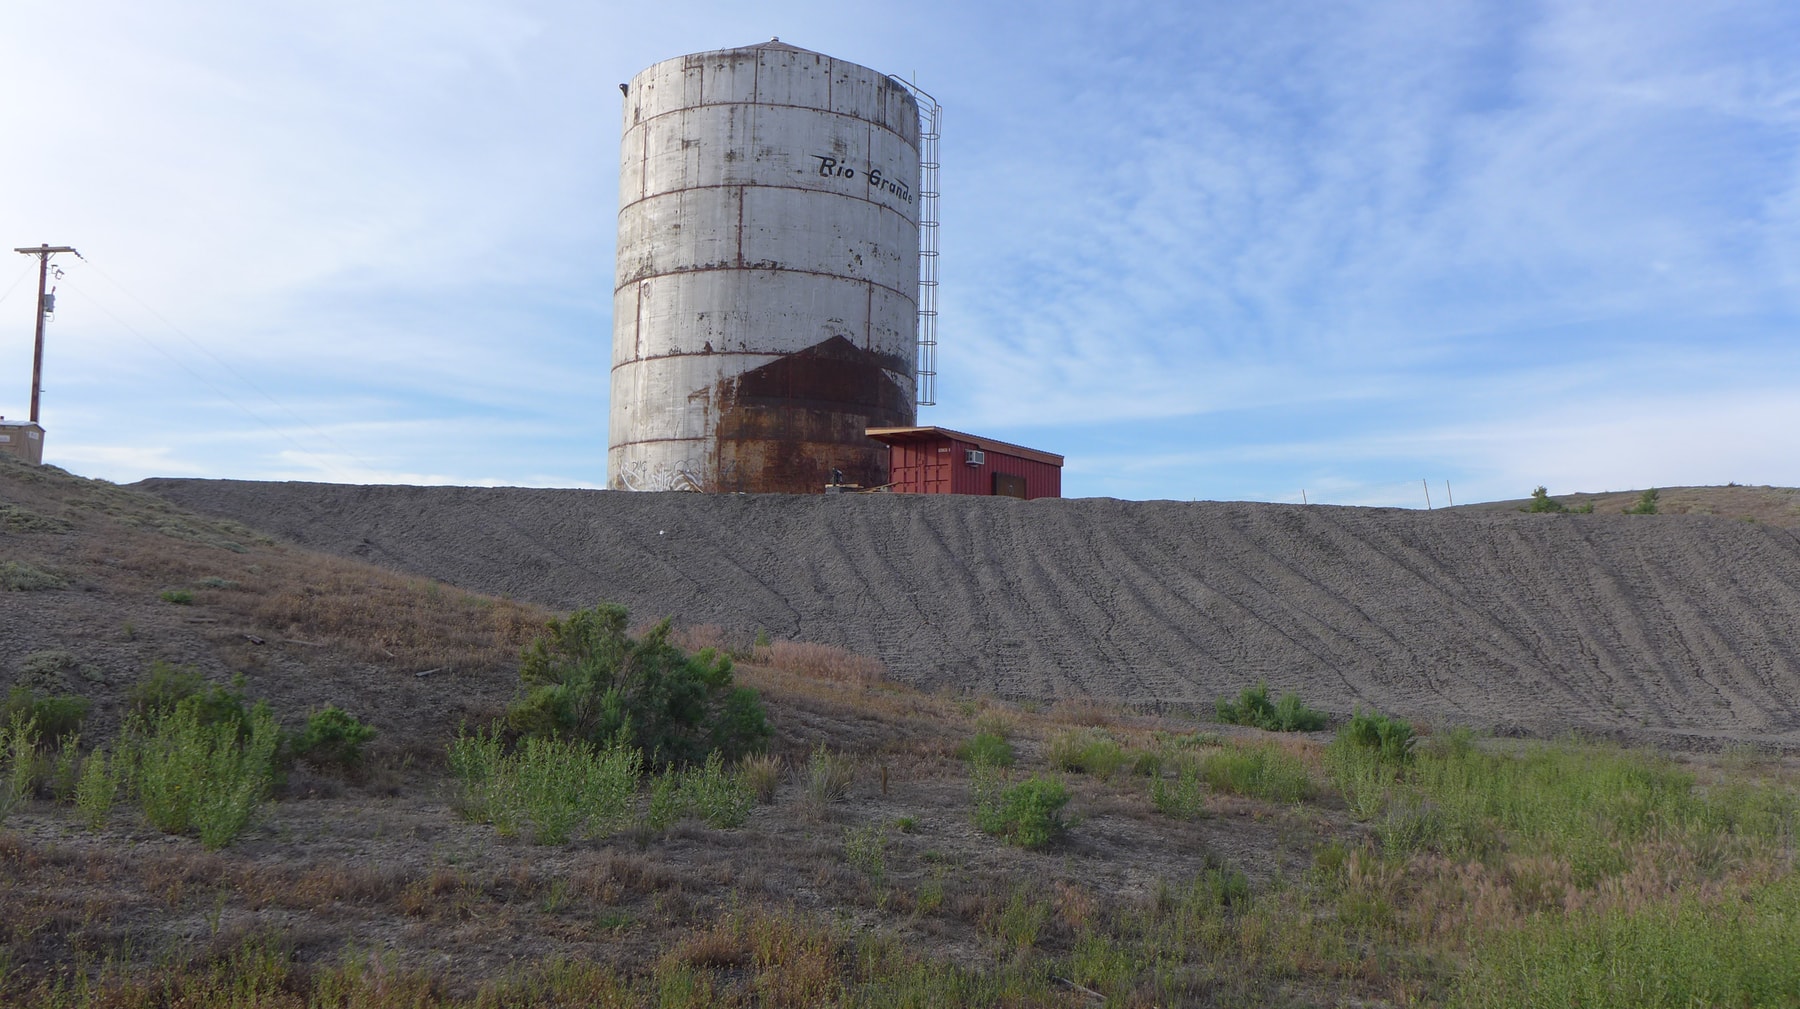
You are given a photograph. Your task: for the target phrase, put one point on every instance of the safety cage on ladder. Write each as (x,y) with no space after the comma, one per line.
(931,117)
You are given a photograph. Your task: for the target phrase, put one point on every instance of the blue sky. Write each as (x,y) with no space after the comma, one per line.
(1204,250)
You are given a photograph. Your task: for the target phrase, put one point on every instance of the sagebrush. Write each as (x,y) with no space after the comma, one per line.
(590,680)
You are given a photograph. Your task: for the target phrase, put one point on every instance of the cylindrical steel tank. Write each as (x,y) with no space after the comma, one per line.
(765,312)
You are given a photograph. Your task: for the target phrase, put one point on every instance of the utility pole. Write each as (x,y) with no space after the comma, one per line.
(43,253)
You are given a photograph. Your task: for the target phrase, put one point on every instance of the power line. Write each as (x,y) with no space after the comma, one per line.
(221,393)
(233,372)
(15,284)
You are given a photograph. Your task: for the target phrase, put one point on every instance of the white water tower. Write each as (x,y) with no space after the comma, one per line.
(767,303)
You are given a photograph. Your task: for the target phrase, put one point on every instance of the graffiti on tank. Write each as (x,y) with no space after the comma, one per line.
(644,475)
(836,168)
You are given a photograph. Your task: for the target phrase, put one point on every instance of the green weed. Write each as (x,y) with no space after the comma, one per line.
(720,799)
(1087,751)
(17,576)
(192,773)
(1253,708)
(1680,951)
(1391,738)
(96,789)
(550,789)
(865,848)
(667,805)
(1265,771)
(1182,798)
(475,761)
(18,748)
(987,748)
(1028,814)
(1021,921)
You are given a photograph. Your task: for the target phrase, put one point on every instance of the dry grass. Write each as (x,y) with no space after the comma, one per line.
(825,662)
(775,913)
(378,616)
(1776,506)
(761,773)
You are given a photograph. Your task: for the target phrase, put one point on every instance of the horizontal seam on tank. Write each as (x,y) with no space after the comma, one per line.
(761,185)
(777,355)
(767,269)
(652,441)
(780,105)
(709,438)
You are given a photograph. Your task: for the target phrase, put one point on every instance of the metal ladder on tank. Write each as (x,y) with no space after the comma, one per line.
(931,117)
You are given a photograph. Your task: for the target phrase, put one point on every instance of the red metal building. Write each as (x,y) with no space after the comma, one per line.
(936,460)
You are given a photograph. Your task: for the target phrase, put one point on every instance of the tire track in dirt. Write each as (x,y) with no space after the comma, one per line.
(1657,627)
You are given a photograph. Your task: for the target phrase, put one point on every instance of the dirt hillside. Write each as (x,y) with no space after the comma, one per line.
(1679,630)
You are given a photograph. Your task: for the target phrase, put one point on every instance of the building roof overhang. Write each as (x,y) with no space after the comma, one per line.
(914,435)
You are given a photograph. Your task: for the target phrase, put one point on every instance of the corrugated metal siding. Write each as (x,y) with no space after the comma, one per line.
(940,467)
(920,468)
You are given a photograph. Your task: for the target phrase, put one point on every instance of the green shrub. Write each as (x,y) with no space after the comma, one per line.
(16,576)
(591,681)
(48,668)
(1646,504)
(167,687)
(14,519)
(57,717)
(1182,798)
(163,687)
(1028,814)
(1455,743)
(332,738)
(1253,708)
(1542,502)
(1391,738)
(180,597)
(1087,751)
(1261,772)
(1147,763)
(189,772)
(987,748)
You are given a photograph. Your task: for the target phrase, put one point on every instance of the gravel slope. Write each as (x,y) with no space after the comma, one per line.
(1680,630)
